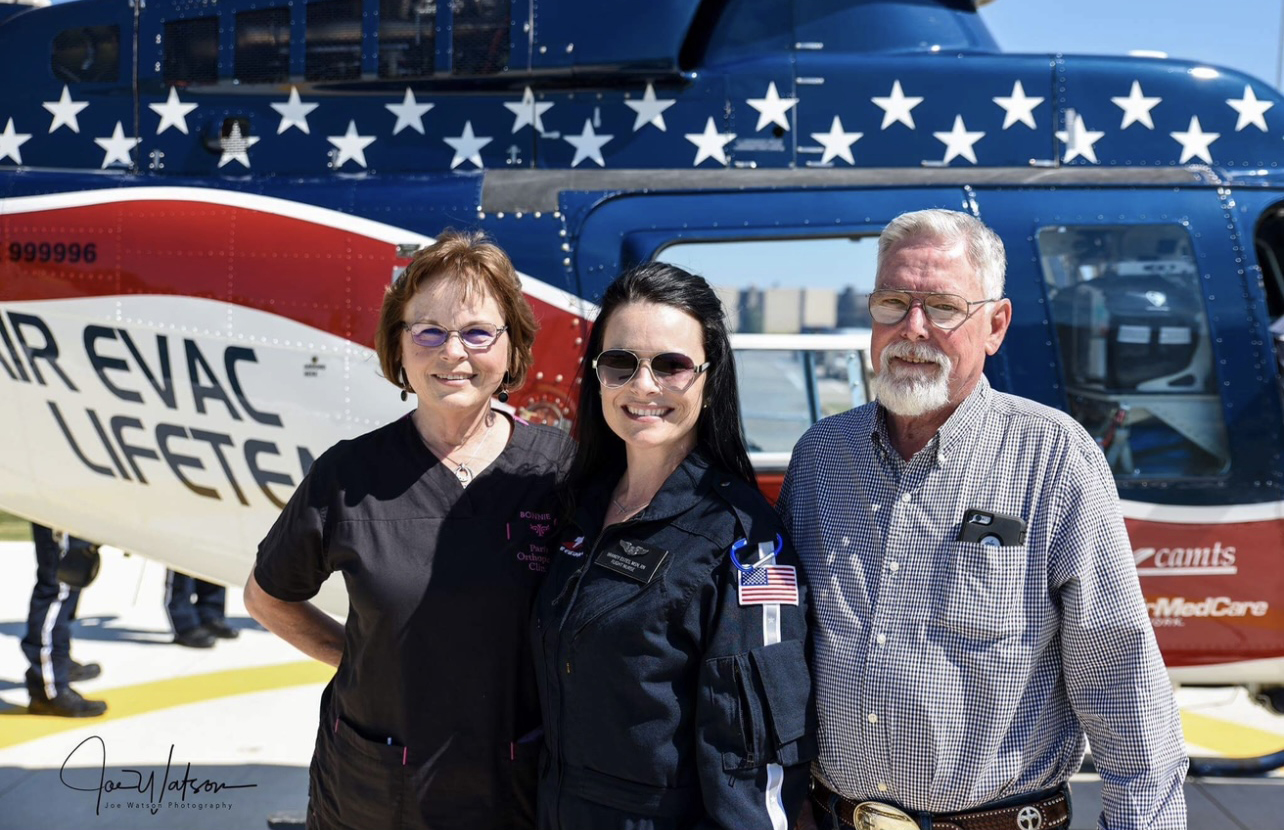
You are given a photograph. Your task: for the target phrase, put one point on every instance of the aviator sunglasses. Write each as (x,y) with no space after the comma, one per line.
(889,306)
(616,367)
(475,336)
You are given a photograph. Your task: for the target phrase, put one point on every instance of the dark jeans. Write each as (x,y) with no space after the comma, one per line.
(191,601)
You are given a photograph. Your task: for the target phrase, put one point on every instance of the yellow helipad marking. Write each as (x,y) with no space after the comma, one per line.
(127,701)
(1229,738)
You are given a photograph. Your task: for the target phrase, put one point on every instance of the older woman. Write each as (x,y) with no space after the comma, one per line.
(669,635)
(430,719)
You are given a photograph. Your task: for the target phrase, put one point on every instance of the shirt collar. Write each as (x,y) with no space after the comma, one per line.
(685,487)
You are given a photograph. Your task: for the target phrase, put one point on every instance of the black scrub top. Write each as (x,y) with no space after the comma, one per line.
(436,666)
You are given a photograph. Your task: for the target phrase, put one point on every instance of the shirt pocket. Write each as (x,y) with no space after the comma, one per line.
(760,708)
(982,596)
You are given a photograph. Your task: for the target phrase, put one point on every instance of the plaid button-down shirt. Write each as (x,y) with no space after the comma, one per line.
(951,674)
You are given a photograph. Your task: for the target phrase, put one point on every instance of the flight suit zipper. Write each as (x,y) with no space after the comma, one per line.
(571,593)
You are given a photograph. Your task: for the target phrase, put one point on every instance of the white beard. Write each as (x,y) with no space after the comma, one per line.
(912,395)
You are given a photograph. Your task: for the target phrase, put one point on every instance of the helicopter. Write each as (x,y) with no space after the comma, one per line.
(201,206)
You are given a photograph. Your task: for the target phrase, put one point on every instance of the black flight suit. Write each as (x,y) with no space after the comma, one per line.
(663,708)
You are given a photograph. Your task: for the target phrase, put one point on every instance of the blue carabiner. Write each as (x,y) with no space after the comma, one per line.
(742,543)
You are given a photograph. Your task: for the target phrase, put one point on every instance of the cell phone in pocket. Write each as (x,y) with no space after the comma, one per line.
(995,529)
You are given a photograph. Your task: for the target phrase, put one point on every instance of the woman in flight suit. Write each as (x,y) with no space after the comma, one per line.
(669,635)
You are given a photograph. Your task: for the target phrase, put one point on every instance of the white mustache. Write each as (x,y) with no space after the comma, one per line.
(905,350)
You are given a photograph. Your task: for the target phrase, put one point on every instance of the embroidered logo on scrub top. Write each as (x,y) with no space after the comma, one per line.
(574,548)
(534,554)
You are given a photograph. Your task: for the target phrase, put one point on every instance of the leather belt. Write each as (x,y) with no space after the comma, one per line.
(1047,813)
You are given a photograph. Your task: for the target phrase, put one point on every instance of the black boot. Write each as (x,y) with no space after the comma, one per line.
(68,704)
(83,671)
(198,637)
(220,628)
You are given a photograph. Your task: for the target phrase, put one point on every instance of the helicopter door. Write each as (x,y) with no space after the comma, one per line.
(1134,302)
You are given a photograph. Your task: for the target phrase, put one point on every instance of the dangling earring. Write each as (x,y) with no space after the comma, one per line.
(503,391)
(405,383)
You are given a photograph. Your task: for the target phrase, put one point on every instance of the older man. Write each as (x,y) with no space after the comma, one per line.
(977,607)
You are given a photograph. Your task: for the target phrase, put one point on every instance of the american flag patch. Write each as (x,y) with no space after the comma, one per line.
(769,584)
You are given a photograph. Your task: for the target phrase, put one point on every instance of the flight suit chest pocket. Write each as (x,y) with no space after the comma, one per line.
(759,708)
(982,591)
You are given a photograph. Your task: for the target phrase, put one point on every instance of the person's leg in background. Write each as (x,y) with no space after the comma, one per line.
(211,605)
(183,617)
(47,643)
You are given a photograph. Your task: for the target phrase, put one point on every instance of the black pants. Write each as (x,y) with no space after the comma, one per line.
(356,783)
(191,601)
(47,643)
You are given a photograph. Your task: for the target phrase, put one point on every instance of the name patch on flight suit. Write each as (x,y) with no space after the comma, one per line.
(632,559)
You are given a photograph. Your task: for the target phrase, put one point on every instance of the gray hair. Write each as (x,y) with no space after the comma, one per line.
(948,228)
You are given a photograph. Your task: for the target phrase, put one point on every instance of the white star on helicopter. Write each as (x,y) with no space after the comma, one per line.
(710,144)
(1137,107)
(173,113)
(897,107)
(1250,109)
(117,147)
(294,113)
(467,147)
(650,110)
(837,142)
(1018,107)
(588,144)
(1195,142)
(351,146)
(1079,141)
(529,112)
(236,146)
(773,108)
(64,111)
(10,141)
(959,141)
(410,113)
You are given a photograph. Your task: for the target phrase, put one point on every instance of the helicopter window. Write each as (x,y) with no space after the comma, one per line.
(263,46)
(786,286)
(1135,349)
(1269,245)
(191,51)
(407,42)
(783,391)
(333,44)
(480,36)
(86,53)
(789,289)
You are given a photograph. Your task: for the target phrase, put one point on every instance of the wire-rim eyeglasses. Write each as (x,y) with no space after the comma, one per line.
(946,311)
(474,337)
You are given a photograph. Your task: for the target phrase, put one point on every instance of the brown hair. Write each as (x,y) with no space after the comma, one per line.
(481,266)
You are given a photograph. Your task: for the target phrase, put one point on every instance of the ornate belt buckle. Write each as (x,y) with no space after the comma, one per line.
(875,815)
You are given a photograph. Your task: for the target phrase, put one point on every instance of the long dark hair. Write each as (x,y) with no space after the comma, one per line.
(718,431)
